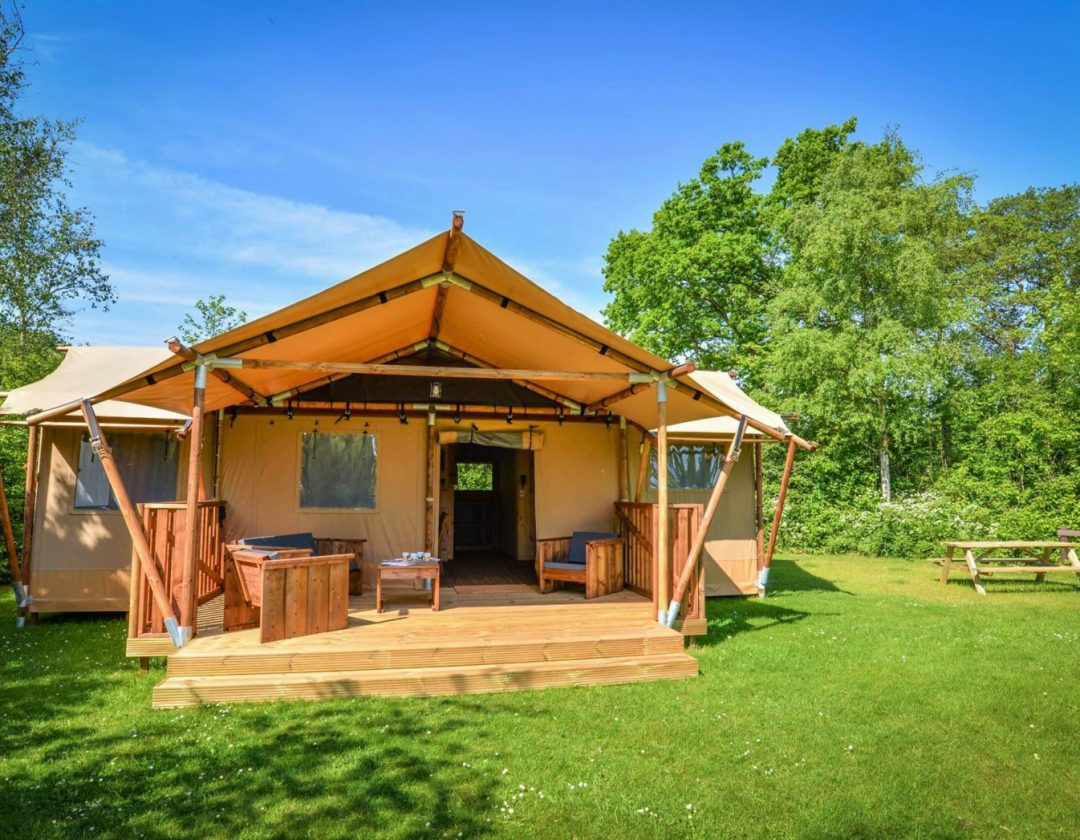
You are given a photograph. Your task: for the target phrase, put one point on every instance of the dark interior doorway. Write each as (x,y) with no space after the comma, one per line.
(487,515)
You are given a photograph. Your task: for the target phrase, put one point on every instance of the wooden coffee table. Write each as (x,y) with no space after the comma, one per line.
(388,570)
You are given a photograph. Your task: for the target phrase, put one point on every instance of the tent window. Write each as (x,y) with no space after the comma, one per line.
(337,470)
(691,466)
(475,477)
(148,463)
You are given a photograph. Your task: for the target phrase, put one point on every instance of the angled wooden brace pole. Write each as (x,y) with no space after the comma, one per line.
(696,547)
(763,574)
(13,556)
(29,505)
(101,449)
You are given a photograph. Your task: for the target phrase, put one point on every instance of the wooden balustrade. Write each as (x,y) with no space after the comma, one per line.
(637,523)
(163,523)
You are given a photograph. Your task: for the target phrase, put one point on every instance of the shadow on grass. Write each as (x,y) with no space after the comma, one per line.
(728,617)
(788,576)
(87,757)
(282,769)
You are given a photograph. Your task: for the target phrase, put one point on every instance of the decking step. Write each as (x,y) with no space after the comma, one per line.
(176,691)
(327,652)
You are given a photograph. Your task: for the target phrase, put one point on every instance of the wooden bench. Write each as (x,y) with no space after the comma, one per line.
(1026,557)
(601,573)
(285,592)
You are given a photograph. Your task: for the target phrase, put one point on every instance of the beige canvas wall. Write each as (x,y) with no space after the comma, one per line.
(576,479)
(260,468)
(82,558)
(731,548)
(574,476)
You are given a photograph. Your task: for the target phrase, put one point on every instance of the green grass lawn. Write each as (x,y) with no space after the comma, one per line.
(862,698)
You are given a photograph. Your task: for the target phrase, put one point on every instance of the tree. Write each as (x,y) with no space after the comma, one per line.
(212,316)
(696,284)
(866,291)
(48,251)
(49,255)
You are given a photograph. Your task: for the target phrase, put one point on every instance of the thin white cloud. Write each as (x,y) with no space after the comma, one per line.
(173,237)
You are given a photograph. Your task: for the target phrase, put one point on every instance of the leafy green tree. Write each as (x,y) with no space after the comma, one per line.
(212,316)
(49,262)
(864,297)
(49,255)
(696,284)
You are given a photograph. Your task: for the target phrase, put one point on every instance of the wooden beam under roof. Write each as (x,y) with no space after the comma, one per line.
(435,370)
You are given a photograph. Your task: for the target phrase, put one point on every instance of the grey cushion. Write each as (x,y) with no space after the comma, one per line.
(570,567)
(305,540)
(577,544)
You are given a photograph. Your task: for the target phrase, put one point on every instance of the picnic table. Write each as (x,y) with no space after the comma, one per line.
(1024,557)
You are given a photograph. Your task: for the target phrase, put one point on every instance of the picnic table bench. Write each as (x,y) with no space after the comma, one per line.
(1025,557)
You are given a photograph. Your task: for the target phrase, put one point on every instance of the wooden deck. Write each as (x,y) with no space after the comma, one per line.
(497,640)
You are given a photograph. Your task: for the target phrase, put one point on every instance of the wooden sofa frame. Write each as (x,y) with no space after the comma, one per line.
(285,592)
(602,573)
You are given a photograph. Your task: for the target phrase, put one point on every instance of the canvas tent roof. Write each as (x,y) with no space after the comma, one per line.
(90,370)
(479,305)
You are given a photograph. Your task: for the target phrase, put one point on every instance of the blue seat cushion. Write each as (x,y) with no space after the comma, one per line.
(570,567)
(577,544)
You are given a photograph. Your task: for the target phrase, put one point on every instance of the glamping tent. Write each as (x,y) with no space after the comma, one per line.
(77,552)
(438,402)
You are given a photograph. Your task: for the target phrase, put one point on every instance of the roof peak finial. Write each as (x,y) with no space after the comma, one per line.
(457,221)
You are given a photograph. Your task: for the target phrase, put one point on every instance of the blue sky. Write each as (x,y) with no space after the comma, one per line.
(267,150)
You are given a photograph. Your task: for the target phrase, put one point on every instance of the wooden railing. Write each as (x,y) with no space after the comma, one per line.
(163,523)
(637,523)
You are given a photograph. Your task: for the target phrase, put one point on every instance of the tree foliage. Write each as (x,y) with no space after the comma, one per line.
(930,344)
(696,285)
(211,317)
(49,263)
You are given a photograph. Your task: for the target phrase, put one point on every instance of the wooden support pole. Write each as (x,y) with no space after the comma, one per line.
(9,534)
(763,575)
(186,591)
(29,509)
(643,468)
(663,525)
(431,493)
(101,449)
(689,569)
(623,465)
(759,502)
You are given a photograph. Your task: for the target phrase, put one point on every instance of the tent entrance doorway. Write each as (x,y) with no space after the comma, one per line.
(487,515)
